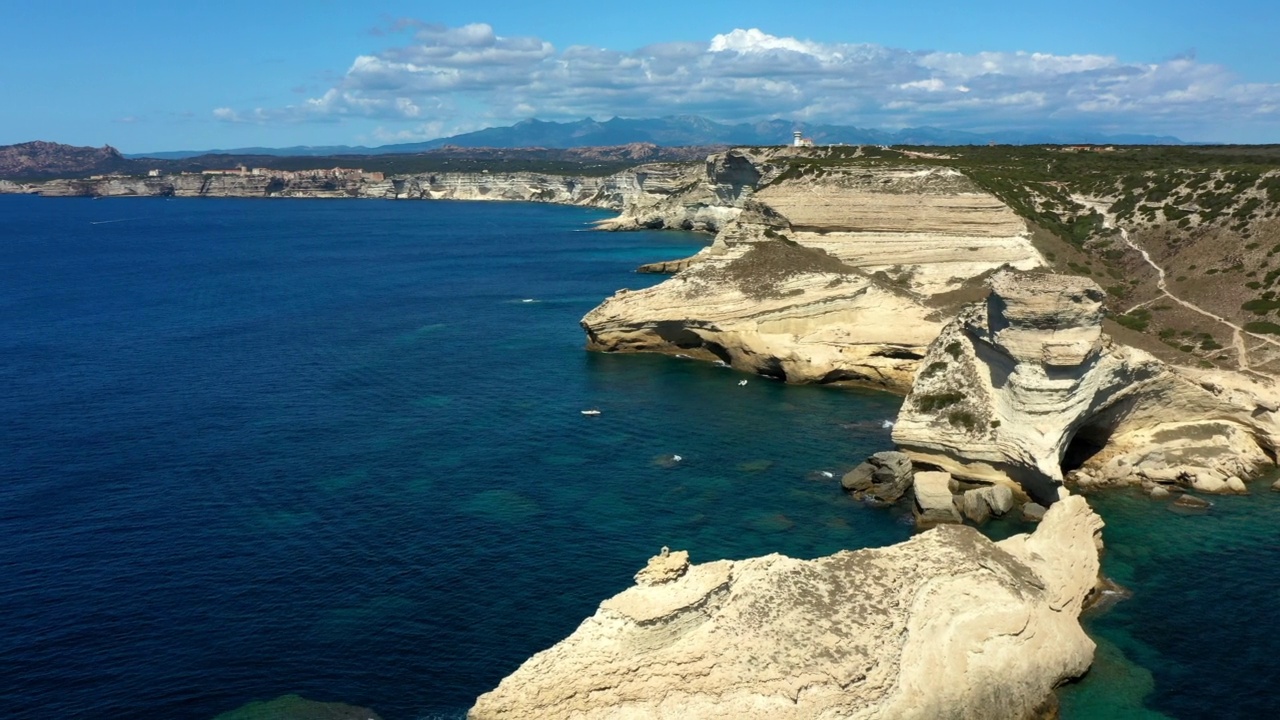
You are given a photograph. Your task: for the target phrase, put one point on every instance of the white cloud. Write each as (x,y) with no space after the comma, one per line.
(455,77)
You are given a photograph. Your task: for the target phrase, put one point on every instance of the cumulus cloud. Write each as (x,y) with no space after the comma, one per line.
(448,77)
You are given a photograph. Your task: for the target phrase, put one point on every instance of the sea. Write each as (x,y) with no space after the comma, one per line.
(336,448)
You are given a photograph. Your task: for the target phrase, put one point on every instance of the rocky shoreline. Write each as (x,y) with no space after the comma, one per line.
(946,625)
(910,279)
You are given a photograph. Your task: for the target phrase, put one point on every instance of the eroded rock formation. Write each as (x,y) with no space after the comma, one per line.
(764,304)
(945,625)
(1025,382)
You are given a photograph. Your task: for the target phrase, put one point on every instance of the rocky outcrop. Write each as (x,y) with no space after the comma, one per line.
(1026,382)
(927,229)
(884,477)
(945,625)
(703,198)
(933,501)
(764,304)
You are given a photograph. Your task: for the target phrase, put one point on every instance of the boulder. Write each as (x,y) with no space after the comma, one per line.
(1033,512)
(1159,493)
(1275,486)
(859,478)
(934,503)
(1207,483)
(664,567)
(946,624)
(999,499)
(892,476)
(1191,501)
(974,505)
(1237,486)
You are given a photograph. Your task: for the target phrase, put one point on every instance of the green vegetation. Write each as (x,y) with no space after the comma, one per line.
(1136,320)
(963,418)
(1260,306)
(933,369)
(932,402)
(1259,326)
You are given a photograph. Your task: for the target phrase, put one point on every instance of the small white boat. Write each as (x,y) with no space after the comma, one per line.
(527,300)
(591,412)
(676,458)
(741,383)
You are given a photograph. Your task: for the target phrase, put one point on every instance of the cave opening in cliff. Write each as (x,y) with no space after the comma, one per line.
(1087,441)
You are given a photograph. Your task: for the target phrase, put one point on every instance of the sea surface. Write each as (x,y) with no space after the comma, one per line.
(336,448)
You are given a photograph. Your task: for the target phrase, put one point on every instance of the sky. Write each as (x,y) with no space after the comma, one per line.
(150,76)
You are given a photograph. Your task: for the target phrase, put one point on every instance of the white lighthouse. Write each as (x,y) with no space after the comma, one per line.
(799,141)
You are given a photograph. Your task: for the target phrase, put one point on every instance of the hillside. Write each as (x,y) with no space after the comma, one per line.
(688,131)
(1208,217)
(46,159)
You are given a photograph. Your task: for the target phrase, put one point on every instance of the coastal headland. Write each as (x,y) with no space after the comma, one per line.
(1058,319)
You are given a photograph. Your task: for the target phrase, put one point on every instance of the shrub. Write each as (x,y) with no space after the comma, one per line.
(1260,326)
(931,402)
(963,418)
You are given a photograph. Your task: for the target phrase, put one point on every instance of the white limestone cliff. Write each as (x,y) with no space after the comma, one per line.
(945,625)
(1026,381)
(764,304)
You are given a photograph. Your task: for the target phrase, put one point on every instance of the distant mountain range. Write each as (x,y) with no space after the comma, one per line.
(683,130)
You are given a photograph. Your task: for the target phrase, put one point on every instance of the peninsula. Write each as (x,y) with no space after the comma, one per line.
(1059,318)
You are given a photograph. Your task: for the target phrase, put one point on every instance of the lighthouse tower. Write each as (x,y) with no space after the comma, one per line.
(799,141)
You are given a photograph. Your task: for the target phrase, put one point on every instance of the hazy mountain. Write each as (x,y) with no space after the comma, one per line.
(681,130)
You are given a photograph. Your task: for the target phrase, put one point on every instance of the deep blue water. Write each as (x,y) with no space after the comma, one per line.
(323,447)
(258,447)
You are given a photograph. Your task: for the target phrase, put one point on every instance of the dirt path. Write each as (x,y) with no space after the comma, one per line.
(1237,332)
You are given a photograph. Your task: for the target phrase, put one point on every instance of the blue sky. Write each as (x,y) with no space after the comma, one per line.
(146,76)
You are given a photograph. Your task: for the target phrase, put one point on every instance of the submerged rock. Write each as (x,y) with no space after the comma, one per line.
(947,624)
(1192,502)
(1033,512)
(295,707)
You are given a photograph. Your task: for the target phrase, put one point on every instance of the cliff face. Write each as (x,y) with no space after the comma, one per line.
(764,304)
(613,191)
(929,229)
(945,625)
(640,185)
(1025,383)
(691,198)
(812,278)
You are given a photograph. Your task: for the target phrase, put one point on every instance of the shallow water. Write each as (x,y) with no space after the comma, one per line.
(327,447)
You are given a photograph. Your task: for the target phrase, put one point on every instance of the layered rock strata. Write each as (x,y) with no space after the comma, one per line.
(929,229)
(764,304)
(945,625)
(1025,382)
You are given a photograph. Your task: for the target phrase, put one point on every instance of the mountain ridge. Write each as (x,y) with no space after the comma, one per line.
(686,130)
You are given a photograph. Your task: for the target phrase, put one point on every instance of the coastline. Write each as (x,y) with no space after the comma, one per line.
(554,191)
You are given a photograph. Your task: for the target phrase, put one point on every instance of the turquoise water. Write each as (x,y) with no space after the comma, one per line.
(328,448)
(1198,637)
